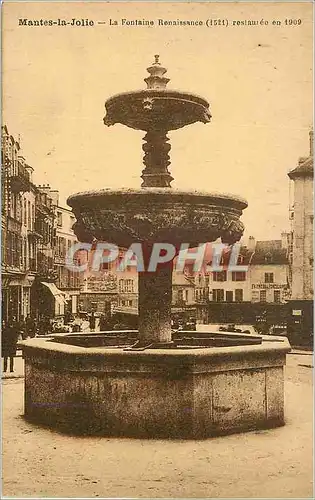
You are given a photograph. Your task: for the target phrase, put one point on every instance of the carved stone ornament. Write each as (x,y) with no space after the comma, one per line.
(157,215)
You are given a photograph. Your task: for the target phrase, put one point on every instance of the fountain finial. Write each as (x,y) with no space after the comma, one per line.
(156,80)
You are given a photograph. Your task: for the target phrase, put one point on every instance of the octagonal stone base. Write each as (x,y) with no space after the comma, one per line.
(183,393)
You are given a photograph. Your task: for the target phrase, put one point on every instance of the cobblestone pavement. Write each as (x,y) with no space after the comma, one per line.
(39,462)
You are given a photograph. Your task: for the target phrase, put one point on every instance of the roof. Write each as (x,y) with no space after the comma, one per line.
(269,252)
(266,253)
(305,168)
(269,245)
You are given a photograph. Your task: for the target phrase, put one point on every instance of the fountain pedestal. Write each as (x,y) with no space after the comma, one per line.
(155,304)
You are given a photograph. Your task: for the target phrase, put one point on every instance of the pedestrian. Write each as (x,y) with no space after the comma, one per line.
(21,327)
(9,340)
(76,325)
(30,327)
(92,322)
(45,326)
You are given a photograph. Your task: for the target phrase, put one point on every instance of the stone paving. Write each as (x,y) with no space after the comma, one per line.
(278,463)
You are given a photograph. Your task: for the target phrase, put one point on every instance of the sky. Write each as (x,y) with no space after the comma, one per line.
(257,79)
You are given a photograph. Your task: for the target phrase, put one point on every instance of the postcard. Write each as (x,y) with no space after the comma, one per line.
(157,249)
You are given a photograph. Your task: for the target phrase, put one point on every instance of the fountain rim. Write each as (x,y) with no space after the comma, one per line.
(179,94)
(270,344)
(161,193)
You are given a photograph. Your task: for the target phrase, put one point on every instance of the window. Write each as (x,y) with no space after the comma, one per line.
(13,206)
(218,295)
(25,254)
(25,214)
(240,259)
(33,215)
(62,246)
(19,208)
(69,279)
(263,296)
(277,296)
(130,286)
(238,276)
(229,296)
(29,214)
(239,295)
(59,219)
(126,286)
(268,277)
(219,276)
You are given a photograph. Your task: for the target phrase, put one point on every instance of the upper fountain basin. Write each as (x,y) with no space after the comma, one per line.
(151,108)
(152,215)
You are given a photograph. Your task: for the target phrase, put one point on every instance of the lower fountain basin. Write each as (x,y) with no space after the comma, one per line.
(153,215)
(165,393)
(180,339)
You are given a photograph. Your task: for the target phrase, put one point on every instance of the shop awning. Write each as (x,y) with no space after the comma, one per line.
(58,294)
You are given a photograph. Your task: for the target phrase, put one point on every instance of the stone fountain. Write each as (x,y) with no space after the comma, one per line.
(153,383)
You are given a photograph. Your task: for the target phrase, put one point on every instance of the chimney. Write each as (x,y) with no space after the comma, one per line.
(251,243)
(52,193)
(311,134)
(30,170)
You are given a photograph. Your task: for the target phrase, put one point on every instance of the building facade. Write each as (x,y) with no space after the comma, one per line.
(32,242)
(44,233)
(120,289)
(239,296)
(269,272)
(66,287)
(98,293)
(302,216)
(258,295)
(17,218)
